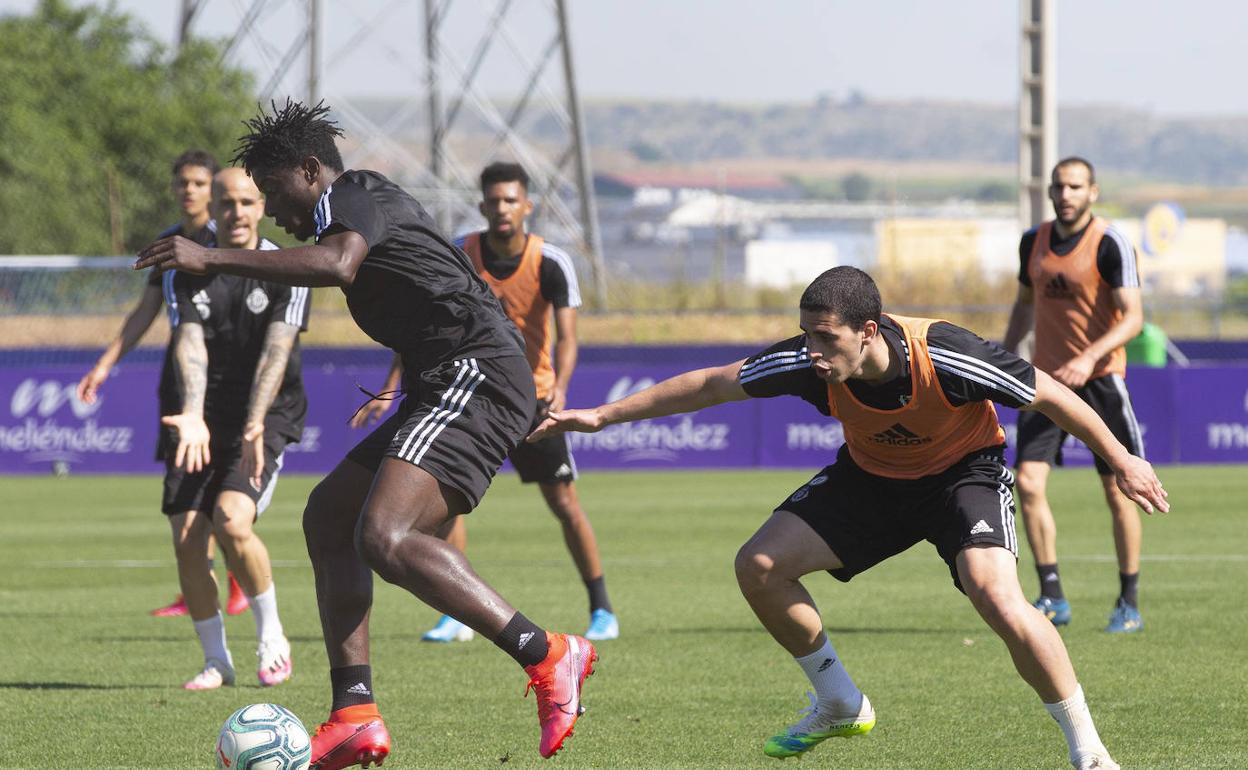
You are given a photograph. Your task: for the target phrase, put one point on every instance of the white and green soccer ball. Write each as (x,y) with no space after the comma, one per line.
(263,736)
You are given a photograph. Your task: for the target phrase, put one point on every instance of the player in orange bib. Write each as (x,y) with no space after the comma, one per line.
(922,461)
(1079,287)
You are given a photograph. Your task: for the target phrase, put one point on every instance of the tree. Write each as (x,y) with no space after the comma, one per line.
(89,101)
(856,186)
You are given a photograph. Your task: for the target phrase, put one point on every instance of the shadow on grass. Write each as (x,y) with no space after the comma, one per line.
(163,639)
(831,631)
(77,686)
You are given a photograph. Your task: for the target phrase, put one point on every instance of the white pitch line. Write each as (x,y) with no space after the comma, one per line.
(1192,557)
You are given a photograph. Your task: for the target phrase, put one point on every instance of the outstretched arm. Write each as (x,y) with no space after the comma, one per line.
(270,370)
(190,355)
(1134,476)
(132,330)
(688,392)
(331,262)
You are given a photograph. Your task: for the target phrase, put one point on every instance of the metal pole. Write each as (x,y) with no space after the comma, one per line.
(185,19)
(314,51)
(1037,107)
(585,176)
(441,213)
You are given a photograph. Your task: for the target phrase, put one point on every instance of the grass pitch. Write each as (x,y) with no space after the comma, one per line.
(88,680)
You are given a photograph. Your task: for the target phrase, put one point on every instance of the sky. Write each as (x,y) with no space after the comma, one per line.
(1171,58)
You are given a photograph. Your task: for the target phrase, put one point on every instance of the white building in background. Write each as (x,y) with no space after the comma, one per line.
(781,264)
(687,233)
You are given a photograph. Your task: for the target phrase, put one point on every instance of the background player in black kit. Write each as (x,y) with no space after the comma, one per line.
(470,400)
(191,186)
(236,361)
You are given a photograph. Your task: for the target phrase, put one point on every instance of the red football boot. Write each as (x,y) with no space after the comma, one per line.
(354,735)
(557,681)
(174,610)
(237,603)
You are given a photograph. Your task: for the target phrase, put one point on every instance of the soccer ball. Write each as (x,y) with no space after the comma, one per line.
(263,736)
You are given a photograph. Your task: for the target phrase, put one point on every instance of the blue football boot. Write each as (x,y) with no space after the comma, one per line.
(1056,610)
(448,629)
(602,625)
(1125,619)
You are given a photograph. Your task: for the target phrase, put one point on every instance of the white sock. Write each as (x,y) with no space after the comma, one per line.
(264,607)
(835,691)
(1075,720)
(211,634)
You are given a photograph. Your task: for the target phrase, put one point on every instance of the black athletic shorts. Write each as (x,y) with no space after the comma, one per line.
(548,461)
(198,491)
(1040,439)
(459,423)
(865,518)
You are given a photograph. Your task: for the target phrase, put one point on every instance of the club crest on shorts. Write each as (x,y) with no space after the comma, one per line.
(257,300)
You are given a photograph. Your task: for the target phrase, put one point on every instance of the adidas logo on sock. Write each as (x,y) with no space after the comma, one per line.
(359,689)
(981,528)
(524,639)
(826,664)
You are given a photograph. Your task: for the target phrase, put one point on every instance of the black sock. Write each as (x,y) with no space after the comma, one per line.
(523,641)
(598,594)
(352,686)
(1129,586)
(1050,582)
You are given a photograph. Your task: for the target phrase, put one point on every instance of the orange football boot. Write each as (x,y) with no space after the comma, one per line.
(557,681)
(354,735)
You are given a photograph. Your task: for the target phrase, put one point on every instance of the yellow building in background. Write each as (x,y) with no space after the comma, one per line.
(1188,261)
(1177,256)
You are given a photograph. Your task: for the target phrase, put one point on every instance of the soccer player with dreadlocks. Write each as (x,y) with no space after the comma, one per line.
(469,401)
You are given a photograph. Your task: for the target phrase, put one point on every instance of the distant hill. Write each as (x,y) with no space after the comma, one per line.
(1187,150)
(1200,151)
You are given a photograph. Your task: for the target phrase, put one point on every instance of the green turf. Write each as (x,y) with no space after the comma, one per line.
(88,680)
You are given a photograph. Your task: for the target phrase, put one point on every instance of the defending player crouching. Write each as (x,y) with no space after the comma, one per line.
(922,461)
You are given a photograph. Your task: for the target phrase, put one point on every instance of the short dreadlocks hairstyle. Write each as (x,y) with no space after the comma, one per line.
(283,139)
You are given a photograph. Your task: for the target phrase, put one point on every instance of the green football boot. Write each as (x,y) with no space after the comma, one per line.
(816,727)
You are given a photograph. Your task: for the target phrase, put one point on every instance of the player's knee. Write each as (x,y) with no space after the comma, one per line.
(1030,484)
(996,605)
(376,543)
(753,568)
(561,501)
(320,501)
(233,531)
(232,519)
(565,511)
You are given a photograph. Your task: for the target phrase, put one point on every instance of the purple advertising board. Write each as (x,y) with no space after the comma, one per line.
(1192,415)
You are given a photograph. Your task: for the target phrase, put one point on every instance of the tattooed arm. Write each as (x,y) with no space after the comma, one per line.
(270,370)
(190,356)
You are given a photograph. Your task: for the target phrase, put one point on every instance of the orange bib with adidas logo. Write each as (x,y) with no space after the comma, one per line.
(927,434)
(1073,304)
(521,296)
